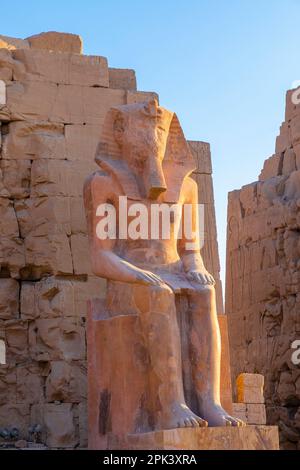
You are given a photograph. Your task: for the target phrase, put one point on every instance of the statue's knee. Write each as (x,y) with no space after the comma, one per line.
(154,298)
(203,299)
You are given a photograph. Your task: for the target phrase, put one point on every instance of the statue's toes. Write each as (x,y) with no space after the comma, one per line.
(202,423)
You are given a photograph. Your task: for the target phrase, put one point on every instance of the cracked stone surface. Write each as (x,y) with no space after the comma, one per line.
(262,278)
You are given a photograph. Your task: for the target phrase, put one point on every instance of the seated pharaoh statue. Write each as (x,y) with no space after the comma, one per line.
(142,215)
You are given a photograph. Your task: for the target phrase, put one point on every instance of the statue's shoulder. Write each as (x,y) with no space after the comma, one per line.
(99,185)
(189,186)
(97,179)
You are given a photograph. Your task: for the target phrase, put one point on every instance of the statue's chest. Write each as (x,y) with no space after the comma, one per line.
(149,217)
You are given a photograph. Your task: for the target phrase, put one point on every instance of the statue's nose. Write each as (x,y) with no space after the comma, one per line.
(155,180)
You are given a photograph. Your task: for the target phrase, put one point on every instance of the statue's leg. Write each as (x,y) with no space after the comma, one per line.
(205,350)
(157,309)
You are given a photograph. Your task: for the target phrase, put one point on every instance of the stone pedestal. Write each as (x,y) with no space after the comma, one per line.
(120,412)
(223,438)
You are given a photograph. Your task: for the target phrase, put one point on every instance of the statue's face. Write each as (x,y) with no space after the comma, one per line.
(143,138)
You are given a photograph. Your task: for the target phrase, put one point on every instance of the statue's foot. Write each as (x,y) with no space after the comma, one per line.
(217,416)
(180,416)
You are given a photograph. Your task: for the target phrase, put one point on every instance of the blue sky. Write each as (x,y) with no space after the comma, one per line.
(223,66)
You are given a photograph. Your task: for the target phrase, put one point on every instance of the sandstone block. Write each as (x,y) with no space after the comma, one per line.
(296,148)
(289,162)
(122,79)
(256,413)
(57,298)
(283,141)
(48,298)
(272,167)
(70,104)
(248,198)
(15,416)
(30,383)
(56,339)
(2,93)
(80,250)
(8,382)
(7,213)
(205,188)
(209,254)
(57,421)
(239,438)
(210,227)
(201,153)
(13,43)
(58,178)
(16,336)
(140,96)
(66,382)
(83,425)
(61,67)
(9,299)
(46,256)
(81,142)
(34,140)
(55,41)
(78,220)
(292,105)
(294,128)
(250,388)
(6,75)
(41,216)
(6,65)
(16,177)
(12,255)
(239,410)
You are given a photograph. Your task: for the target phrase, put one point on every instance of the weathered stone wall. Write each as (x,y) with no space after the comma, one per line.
(262,278)
(51,113)
(210,251)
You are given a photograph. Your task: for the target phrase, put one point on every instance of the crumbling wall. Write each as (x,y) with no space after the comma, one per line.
(53,101)
(262,278)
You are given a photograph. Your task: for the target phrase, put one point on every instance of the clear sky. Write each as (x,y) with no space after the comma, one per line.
(223,65)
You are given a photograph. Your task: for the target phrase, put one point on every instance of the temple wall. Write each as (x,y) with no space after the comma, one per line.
(53,100)
(262,278)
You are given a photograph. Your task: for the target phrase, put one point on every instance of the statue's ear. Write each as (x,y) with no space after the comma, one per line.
(119,128)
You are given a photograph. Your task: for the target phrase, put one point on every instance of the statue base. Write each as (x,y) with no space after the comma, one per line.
(221,438)
(119,406)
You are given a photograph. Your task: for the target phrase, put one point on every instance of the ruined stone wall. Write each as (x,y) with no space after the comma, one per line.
(262,278)
(53,101)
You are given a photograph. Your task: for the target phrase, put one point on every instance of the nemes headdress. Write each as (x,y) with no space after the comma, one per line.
(178,161)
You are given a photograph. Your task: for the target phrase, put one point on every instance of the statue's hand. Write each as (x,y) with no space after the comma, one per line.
(201,276)
(147,277)
(141,276)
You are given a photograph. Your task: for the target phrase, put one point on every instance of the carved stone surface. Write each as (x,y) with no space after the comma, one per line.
(50,126)
(262,279)
(241,438)
(154,351)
